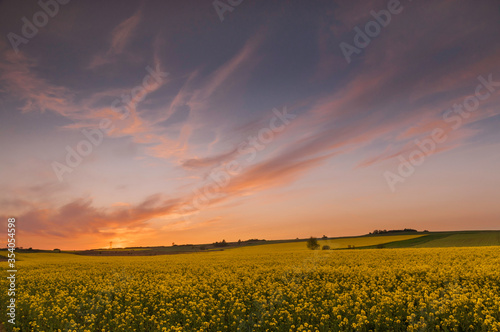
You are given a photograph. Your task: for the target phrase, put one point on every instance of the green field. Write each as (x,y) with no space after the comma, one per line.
(418,240)
(466,239)
(448,239)
(338,243)
(364,241)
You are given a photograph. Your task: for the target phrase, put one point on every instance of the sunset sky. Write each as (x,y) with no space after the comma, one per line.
(152,122)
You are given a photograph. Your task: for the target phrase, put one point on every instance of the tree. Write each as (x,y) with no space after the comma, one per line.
(220,244)
(312,243)
(325,247)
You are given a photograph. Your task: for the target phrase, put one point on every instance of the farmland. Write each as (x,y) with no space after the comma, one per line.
(276,287)
(448,239)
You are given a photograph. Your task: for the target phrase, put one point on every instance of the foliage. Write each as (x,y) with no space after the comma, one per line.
(312,243)
(223,243)
(379,231)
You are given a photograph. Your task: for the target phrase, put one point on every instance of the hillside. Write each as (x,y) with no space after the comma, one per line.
(449,239)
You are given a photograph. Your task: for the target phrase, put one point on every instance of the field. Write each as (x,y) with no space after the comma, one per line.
(278,287)
(336,243)
(449,239)
(465,239)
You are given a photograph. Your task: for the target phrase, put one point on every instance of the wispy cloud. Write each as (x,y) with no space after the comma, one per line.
(120,38)
(212,161)
(37,93)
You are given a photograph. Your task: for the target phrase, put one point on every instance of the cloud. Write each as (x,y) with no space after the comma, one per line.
(227,70)
(80,218)
(211,161)
(120,38)
(37,93)
(197,95)
(20,80)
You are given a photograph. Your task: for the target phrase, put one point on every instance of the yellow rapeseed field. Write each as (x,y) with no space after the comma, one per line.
(262,289)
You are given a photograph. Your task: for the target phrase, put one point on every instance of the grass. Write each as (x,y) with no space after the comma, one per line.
(409,242)
(343,243)
(448,239)
(464,239)
(336,243)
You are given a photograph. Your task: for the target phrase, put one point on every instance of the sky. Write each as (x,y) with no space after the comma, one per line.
(147,123)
